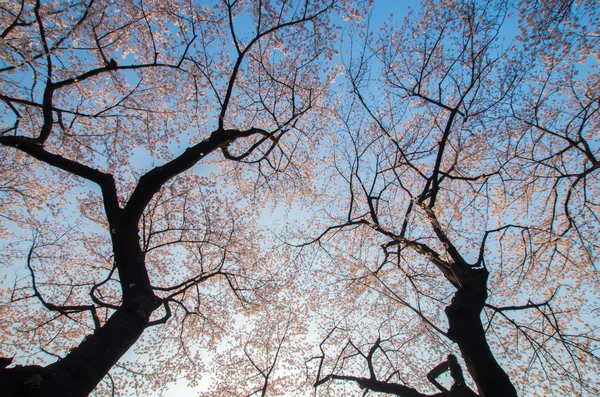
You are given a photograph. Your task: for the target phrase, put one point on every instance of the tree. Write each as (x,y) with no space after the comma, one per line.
(469,225)
(454,221)
(116,228)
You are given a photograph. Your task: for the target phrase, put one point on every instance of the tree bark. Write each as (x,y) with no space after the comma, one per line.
(80,371)
(466,330)
(77,374)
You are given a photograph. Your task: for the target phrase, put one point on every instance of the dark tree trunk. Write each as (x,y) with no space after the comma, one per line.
(83,368)
(466,330)
(80,371)
(77,374)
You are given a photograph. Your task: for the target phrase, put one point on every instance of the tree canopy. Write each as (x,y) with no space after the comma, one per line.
(434,181)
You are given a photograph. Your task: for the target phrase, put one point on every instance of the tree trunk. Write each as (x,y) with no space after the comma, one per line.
(466,330)
(80,371)
(77,374)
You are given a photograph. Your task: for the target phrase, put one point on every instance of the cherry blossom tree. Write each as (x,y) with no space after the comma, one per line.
(140,140)
(447,166)
(467,240)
